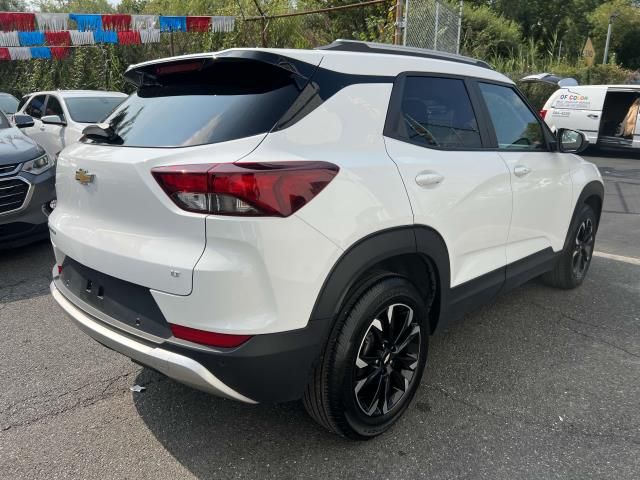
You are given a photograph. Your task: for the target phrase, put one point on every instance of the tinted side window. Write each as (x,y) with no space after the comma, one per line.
(437,112)
(36,106)
(54,107)
(516,126)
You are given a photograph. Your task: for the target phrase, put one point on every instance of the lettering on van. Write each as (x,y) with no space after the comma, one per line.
(561,113)
(573,100)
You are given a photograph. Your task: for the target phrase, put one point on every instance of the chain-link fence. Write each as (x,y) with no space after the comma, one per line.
(433,24)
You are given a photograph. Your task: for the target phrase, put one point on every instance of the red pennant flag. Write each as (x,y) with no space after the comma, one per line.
(59,52)
(130,37)
(118,22)
(4,54)
(198,24)
(23,22)
(59,39)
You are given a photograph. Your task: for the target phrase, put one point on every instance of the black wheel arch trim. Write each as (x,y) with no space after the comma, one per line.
(374,249)
(591,189)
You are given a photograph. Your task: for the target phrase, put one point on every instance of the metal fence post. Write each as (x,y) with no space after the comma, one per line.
(406,22)
(459,27)
(437,26)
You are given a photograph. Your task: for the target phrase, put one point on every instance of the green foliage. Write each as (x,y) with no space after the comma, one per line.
(625,37)
(486,34)
(12,5)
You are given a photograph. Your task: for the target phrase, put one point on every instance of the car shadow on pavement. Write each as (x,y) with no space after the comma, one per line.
(540,371)
(25,272)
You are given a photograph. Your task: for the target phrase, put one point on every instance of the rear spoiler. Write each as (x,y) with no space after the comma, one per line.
(147,73)
(550,79)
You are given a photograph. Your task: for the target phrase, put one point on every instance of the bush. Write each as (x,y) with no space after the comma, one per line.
(487,34)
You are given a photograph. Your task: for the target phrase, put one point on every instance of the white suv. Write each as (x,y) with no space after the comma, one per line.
(269,225)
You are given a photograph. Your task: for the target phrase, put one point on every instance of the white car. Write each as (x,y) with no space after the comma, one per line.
(606,114)
(308,218)
(61,115)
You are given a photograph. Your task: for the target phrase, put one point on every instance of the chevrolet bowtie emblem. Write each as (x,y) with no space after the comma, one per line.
(84,177)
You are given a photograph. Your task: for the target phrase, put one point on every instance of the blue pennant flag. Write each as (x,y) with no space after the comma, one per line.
(31,38)
(105,36)
(40,52)
(173,24)
(87,22)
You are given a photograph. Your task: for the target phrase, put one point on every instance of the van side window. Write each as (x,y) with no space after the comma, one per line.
(437,112)
(516,126)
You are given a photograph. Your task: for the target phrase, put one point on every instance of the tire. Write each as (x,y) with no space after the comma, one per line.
(572,266)
(346,390)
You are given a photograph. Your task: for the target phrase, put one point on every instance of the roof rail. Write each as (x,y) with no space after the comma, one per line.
(372,47)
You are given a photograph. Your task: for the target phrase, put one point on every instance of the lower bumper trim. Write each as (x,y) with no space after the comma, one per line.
(183,369)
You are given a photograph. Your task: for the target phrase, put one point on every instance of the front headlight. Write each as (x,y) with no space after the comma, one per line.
(38,165)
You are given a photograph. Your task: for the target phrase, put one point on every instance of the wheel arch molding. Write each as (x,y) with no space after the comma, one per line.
(416,252)
(593,195)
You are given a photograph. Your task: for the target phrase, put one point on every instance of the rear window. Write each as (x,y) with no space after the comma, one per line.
(8,104)
(91,109)
(196,103)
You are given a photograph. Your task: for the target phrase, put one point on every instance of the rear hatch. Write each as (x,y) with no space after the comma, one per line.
(112,215)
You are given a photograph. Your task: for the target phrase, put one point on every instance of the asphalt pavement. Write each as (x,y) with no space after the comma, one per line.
(541,384)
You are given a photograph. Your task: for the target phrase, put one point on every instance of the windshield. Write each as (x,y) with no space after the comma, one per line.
(4,123)
(8,104)
(220,102)
(91,109)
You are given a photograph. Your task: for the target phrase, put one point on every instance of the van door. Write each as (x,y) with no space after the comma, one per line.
(620,118)
(577,108)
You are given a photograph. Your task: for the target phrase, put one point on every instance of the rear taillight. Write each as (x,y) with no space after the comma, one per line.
(212,339)
(542,113)
(275,189)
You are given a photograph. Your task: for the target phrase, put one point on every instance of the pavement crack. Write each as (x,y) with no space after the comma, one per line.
(600,340)
(567,427)
(80,403)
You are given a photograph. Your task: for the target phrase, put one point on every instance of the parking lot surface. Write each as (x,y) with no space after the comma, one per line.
(540,384)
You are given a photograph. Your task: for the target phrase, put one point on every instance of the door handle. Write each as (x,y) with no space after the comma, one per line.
(426,179)
(521,171)
(592,115)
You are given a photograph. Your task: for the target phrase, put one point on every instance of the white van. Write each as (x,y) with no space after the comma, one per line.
(606,114)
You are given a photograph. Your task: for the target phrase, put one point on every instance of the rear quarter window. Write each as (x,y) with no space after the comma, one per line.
(204,103)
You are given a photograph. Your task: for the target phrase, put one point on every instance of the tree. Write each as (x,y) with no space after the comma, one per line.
(625,36)
(486,33)
(12,6)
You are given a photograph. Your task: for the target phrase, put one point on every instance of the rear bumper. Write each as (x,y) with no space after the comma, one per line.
(179,367)
(267,368)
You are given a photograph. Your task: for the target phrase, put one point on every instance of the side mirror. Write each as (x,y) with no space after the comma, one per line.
(23,121)
(54,120)
(571,141)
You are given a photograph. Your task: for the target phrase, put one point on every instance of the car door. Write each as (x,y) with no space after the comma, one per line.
(540,177)
(52,137)
(35,108)
(455,185)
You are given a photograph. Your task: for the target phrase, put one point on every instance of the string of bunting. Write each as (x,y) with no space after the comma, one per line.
(25,36)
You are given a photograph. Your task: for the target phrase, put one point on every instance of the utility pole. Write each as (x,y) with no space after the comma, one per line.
(606,45)
(397,38)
